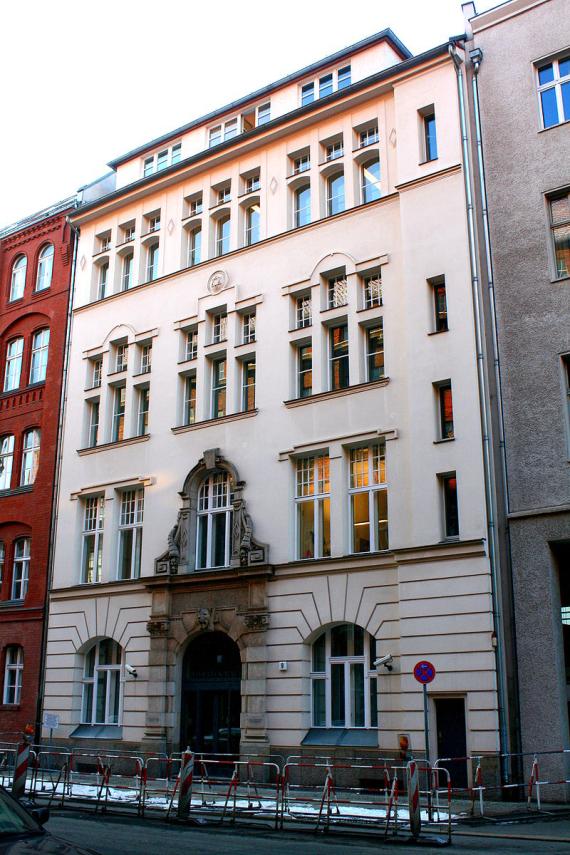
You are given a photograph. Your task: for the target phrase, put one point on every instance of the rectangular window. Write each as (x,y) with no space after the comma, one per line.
(304,371)
(130,534)
(263,114)
(21,568)
(148,166)
(127,273)
(176,153)
(325,85)
(161,160)
(301,164)
(248,385)
(368,136)
(40,349)
(13,674)
(566,385)
(142,415)
(343,77)
(313,507)
(92,549)
(439,304)
(371,181)
(2,559)
(30,456)
(335,194)
(194,246)
(337,291)
(375,351)
(450,508)
(372,291)
(122,357)
(307,94)
(302,208)
(559,210)
(334,150)
(215,136)
(252,183)
(196,206)
(445,411)
(225,194)
(97,371)
(118,431)
(554,91)
(339,377)
(223,236)
(220,327)
(6,461)
(94,410)
(154,223)
(303,312)
(430,137)
(191,345)
(248,327)
(189,416)
(152,263)
(218,388)
(231,129)
(14,354)
(146,358)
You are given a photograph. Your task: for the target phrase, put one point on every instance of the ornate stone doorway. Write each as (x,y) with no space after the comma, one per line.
(211,697)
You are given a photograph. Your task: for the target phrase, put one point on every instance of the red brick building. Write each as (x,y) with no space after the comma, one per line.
(36,260)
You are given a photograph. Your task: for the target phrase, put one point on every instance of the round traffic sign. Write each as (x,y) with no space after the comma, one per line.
(424,672)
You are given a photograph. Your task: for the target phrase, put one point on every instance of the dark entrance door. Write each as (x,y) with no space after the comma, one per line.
(211,700)
(451,739)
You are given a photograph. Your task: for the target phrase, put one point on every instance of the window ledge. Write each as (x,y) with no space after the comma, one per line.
(16,491)
(438,332)
(337,393)
(21,390)
(131,440)
(429,160)
(92,388)
(556,279)
(10,707)
(10,604)
(370,308)
(142,374)
(118,371)
(231,417)
(97,731)
(446,439)
(551,127)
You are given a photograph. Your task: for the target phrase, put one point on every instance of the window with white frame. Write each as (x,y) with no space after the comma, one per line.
(248,327)
(263,114)
(127,232)
(6,461)
(189,414)
(191,344)
(222,132)
(30,456)
(219,327)
(303,311)
(368,496)
(307,93)
(18,280)
(152,256)
(45,268)
(368,136)
(130,533)
(302,206)
(2,559)
(94,415)
(14,356)
(371,181)
(96,373)
(13,674)
(118,424)
(252,224)
(101,696)
(248,384)
(334,150)
(104,242)
(325,85)
(301,163)
(559,214)
(146,358)
(219,382)
(343,77)
(375,351)
(343,678)
(103,281)
(196,206)
(224,194)
(122,357)
(153,222)
(92,545)
(252,183)
(223,226)
(554,91)
(337,291)
(39,360)
(195,246)
(159,161)
(214,521)
(372,291)
(127,279)
(338,357)
(312,500)
(143,396)
(21,568)
(335,194)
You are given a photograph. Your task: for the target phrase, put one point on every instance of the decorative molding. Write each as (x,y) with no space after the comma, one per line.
(344,439)
(158,627)
(336,393)
(142,480)
(431,176)
(231,417)
(105,446)
(218,281)
(257,622)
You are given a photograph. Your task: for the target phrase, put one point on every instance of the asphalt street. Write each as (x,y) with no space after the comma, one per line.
(110,835)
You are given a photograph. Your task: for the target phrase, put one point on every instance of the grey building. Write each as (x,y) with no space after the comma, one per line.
(517,84)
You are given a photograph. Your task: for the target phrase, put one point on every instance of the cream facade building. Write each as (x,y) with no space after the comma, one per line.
(272,470)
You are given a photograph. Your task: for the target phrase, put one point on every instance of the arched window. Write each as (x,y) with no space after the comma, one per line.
(252,224)
(223,227)
(45,268)
(13,673)
(335,194)
(371,181)
(14,353)
(18,281)
(21,568)
(30,456)
(6,461)
(101,700)
(213,541)
(38,363)
(344,691)
(302,206)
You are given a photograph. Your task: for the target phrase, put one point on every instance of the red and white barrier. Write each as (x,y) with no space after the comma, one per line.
(21,770)
(414,798)
(185,791)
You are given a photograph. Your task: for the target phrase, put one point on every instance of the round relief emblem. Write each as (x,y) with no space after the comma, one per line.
(217,281)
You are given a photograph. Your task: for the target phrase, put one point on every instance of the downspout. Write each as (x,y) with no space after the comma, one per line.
(57,474)
(490,492)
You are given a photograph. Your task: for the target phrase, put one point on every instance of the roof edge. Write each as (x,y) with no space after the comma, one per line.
(38,216)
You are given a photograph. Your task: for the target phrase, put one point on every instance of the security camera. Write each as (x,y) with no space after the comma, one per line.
(130,670)
(386,661)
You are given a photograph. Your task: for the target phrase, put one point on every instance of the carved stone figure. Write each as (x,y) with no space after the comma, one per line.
(174,545)
(205,619)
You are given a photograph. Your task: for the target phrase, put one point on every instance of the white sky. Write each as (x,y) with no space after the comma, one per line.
(87,80)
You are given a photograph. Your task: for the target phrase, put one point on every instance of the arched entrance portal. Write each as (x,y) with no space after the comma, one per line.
(211,699)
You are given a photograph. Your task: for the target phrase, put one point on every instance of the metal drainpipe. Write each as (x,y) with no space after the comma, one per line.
(490,494)
(57,473)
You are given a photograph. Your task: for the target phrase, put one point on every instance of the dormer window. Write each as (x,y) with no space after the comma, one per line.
(344,77)
(162,159)
(263,114)
(325,85)
(307,94)
(331,82)
(222,132)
